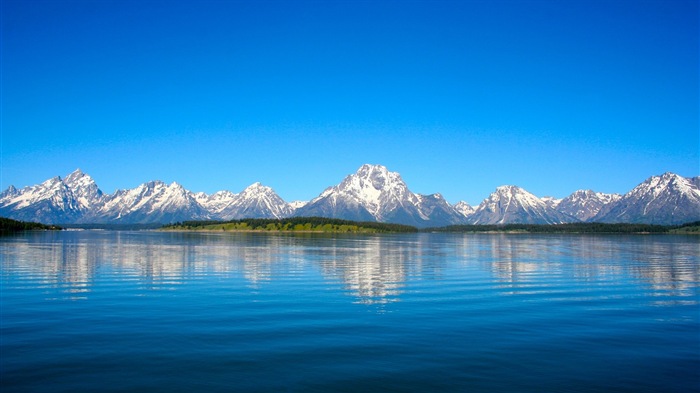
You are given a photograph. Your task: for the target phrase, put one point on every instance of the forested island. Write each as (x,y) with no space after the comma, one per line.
(292,224)
(8,226)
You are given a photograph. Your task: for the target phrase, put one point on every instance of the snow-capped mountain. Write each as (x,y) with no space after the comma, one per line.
(77,199)
(513,205)
(151,202)
(84,189)
(374,193)
(216,202)
(256,201)
(695,180)
(551,201)
(665,199)
(11,192)
(298,204)
(586,204)
(438,211)
(371,194)
(50,202)
(464,208)
(55,200)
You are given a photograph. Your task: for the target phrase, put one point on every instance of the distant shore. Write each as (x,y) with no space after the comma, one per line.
(331,225)
(692,228)
(326,225)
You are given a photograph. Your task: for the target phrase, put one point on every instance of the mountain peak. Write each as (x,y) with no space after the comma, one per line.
(76,173)
(154,183)
(586,204)
(376,175)
(256,200)
(669,175)
(374,193)
(256,186)
(512,204)
(665,177)
(665,199)
(9,192)
(510,189)
(78,177)
(370,168)
(464,208)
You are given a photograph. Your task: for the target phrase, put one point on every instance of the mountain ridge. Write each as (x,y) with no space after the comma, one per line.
(372,193)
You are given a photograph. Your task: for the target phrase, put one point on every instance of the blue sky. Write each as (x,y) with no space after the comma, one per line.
(457,96)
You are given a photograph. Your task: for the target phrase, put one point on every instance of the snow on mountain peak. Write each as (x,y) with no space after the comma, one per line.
(665,199)
(11,191)
(464,208)
(75,174)
(298,204)
(586,204)
(375,193)
(374,187)
(255,201)
(84,189)
(512,204)
(369,169)
(257,187)
(371,193)
(551,201)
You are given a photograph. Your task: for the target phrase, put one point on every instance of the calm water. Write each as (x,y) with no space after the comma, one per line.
(149,311)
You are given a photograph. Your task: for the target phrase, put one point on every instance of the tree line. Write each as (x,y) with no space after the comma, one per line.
(294,224)
(8,225)
(324,224)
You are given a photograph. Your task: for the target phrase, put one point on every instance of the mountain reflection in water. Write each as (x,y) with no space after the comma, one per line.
(372,269)
(87,311)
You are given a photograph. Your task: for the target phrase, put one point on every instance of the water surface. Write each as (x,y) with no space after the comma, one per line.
(152,311)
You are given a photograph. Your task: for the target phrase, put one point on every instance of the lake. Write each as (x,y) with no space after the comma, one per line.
(86,311)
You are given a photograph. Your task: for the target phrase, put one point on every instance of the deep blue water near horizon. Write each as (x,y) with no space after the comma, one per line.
(160,311)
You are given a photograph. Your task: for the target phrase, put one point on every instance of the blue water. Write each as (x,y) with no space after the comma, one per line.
(149,311)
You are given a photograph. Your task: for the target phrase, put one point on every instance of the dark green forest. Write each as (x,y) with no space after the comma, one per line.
(322,224)
(332,225)
(293,224)
(8,225)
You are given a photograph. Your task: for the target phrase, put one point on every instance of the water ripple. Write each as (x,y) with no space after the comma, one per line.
(421,312)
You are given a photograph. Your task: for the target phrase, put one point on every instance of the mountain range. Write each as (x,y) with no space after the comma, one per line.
(373,193)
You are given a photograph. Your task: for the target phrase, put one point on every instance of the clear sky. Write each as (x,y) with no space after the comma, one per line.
(457,96)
